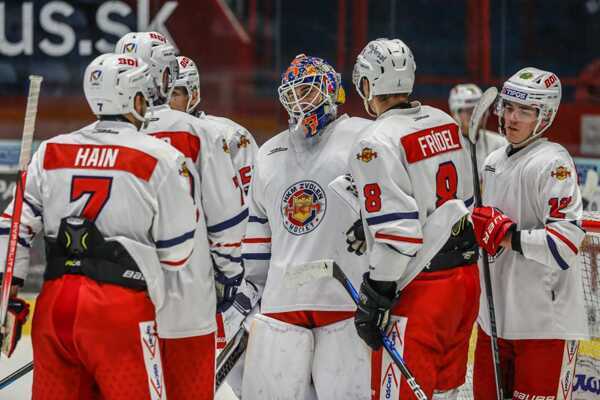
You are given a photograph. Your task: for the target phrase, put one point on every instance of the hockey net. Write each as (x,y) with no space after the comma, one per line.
(587,373)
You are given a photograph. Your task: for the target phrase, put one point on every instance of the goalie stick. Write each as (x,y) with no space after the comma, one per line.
(487,99)
(35,83)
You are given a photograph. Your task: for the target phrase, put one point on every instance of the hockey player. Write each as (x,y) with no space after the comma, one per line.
(408,163)
(115,210)
(221,225)
(306,332)
(532,203)
(242,148)
(461,102)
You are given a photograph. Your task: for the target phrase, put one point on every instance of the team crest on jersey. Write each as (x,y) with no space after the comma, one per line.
(303,207)
(225,146)
(561,173)
(366,155)
(243,142)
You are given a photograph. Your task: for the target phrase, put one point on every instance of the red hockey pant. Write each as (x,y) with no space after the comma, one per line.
(440,308)
(87,345)
(531,369)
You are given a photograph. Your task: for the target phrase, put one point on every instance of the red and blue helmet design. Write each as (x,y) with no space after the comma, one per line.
(310,91)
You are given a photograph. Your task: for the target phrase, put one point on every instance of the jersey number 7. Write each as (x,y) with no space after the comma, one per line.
(97,187)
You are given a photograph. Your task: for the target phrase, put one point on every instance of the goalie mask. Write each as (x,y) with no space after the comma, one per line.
(535,88)
(388,66)
(189,79)
(112,81)
(155,50)
(310,91)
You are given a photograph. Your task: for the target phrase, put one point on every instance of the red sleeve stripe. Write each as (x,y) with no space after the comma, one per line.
(176,263)
(564,239)
(9,216)
(257,240)
(398,238)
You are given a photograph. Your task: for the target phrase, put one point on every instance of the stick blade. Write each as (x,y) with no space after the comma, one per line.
(487,99)
(302,274)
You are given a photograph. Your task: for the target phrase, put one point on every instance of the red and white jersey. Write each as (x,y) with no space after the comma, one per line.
(133,187)
(295,218)
(202,142)
(408,163)
(241,146)
(537,294)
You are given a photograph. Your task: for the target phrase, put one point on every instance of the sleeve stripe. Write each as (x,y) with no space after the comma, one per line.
(161,244)
(229,223)
(398,238)
(177,263)
(227,256)
(257,240)
(20,240)
(559,260)
(469,201)
(236,244)
(253,218)
(564,239)
(35,210)
(256,256)
(392,217)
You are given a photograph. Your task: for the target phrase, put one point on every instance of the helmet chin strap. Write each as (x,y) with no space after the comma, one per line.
(368,108)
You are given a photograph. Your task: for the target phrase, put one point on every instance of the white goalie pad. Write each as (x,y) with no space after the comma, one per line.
(278,361)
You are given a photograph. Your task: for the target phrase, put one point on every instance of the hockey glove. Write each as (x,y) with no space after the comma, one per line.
(355,238)
(18,310)
(373,312)
(490,227)
(226,289)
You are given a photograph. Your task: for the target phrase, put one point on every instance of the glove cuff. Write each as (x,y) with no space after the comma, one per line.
(382,292)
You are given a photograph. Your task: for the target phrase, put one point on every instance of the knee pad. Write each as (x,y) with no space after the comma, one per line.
(278,360)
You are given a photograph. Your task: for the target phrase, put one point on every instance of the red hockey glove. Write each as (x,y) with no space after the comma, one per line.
(490,227)
(18,310)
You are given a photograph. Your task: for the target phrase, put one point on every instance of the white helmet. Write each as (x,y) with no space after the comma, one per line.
(535,88)
(188,78)
(389,67)
(112,81)
(155,50)
(463,96)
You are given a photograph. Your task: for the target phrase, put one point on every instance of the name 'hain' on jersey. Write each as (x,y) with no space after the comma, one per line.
(411,161)
(296,218)
(112,175)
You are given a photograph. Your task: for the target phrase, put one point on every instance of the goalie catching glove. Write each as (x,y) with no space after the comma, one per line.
(16,317)
(491,226)
(373,311)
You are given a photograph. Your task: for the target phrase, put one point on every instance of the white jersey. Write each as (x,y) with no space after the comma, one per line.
(222,225)
(242,148)
(296,218)
(537,294)
(407,164)
(133,187)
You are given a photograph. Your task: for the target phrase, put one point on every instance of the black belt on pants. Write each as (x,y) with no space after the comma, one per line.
(461,249)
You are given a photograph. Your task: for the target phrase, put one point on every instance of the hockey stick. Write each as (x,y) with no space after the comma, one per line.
(328,268)
(16,375)
(487,99)
(24,157)
(230,355)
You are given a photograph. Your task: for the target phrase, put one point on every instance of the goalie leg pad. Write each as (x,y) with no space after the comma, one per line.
(278,361)
(341,367)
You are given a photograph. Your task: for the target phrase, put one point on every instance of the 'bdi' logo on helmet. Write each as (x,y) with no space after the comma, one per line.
(303,207)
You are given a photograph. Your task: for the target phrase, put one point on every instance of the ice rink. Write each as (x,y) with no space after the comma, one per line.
(21,389)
